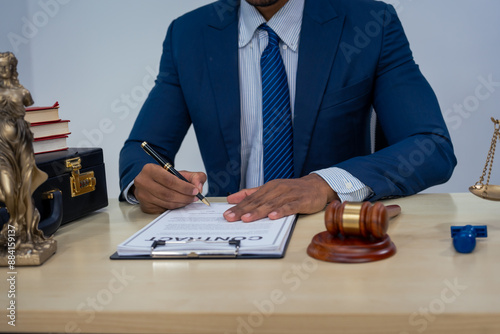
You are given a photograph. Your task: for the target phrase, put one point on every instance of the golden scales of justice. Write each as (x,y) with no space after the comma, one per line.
(481,189)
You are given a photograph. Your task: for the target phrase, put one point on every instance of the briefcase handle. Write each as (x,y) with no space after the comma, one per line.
(50,224)
(4,216)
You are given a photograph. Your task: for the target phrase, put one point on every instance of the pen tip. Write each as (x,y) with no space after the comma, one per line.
(144,143)
(205,201)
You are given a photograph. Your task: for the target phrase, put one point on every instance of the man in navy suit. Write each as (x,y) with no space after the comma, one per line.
(343,59)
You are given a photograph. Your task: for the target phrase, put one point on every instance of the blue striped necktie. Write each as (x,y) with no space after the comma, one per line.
(276,113)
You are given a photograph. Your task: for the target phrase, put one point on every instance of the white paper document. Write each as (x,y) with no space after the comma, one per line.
(198,230)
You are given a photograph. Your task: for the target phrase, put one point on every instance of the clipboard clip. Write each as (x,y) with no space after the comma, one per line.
(166,253)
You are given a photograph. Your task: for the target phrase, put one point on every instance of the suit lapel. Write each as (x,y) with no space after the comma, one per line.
(221,43)
(319,40)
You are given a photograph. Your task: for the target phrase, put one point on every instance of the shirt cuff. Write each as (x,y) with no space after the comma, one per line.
(128,195)
(347,187)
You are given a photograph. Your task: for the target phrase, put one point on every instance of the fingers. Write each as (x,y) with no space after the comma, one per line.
(158,190)
(273,210)
(280,198)
(272,200)
(240,195)
(197,179)
(151,208)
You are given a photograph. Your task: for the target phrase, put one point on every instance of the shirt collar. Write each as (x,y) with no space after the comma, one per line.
(286,23)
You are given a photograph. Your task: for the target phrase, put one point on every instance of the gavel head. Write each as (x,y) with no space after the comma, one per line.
(357,219)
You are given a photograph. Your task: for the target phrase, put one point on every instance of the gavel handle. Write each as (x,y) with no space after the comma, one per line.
(393,210)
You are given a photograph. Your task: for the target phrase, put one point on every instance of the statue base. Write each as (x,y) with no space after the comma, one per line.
(349,249)
(29,254)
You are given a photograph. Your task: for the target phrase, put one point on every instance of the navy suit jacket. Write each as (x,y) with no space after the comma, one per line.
(353,57)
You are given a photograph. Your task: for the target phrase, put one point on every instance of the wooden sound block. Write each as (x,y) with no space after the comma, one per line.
(350,249)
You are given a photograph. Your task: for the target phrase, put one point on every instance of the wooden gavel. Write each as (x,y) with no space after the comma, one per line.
(356,233)
(359,219)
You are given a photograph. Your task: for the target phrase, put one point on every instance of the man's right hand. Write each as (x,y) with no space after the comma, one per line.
(158,190)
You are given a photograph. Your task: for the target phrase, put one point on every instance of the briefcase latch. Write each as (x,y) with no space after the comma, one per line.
(81,183)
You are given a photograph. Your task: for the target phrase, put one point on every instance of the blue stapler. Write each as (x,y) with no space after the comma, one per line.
(464,237)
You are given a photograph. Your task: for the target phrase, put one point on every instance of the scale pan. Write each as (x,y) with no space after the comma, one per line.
(489,192)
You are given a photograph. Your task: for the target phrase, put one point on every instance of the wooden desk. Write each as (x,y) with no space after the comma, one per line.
(425,288)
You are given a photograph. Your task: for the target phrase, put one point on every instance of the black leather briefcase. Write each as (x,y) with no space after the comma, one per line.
(76,186)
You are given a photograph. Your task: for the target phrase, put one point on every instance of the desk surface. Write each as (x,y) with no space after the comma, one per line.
(426,287)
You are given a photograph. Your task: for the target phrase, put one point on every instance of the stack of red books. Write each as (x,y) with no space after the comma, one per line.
(49,130)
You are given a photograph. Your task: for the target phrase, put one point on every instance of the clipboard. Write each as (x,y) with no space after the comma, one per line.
(230,249)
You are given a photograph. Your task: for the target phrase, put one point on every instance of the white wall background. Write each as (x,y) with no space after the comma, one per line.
(98,58)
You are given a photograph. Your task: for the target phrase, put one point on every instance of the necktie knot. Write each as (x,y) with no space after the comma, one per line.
(273,37)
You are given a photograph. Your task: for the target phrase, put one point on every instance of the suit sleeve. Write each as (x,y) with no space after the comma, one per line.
(419,152)
(163,120)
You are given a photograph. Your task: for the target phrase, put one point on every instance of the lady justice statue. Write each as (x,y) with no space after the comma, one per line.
(19,175)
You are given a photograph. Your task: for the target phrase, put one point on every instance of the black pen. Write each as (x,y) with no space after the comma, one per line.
(168,166)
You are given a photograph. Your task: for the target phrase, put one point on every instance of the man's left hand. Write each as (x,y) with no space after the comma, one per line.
(280,198)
